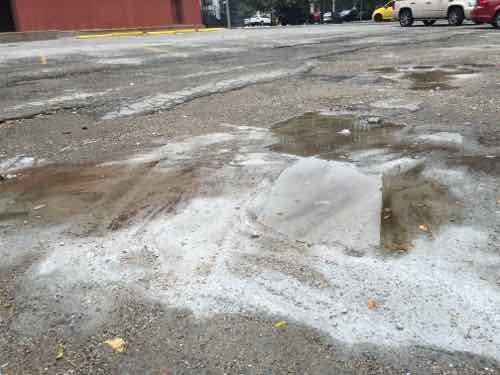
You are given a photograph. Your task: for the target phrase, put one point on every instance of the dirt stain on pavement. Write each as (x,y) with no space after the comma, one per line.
(330,136)
(414,205)
(100,197)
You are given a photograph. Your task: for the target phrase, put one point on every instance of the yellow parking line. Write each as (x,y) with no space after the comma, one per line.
(43,59)
(137,33)
(209,29)
(107,35)
(162,32)
(186,30)
(127,33)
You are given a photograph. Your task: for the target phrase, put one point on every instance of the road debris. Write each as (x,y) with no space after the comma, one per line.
(372,304)
(280,324)
(344,132)
(117,344)
(423,227)
(374,120)
(60,351)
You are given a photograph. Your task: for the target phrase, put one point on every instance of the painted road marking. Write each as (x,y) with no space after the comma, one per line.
(107,35)
(162,32)
(209,29)
(142,33)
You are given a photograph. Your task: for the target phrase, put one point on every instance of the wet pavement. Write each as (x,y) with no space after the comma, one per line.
(339,215)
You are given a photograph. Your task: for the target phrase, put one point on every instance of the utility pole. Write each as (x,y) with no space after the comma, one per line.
(228,15)
(333,8)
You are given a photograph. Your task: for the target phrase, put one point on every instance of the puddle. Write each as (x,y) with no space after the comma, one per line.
(413,205)
(329,137)
(100,197)
(427,77)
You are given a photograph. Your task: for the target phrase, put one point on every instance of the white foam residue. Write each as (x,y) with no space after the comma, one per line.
(17,163)
(307,213)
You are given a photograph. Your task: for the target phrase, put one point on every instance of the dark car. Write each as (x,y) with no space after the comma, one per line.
(487,11)
(349,15)
(329,17)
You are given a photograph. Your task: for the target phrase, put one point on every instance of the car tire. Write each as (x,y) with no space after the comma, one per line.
(429,22)
(405,18)
(496,20)
(378,18)
(456,16)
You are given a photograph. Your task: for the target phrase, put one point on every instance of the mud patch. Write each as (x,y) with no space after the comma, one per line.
(99,197)
(414,205)
(330,137)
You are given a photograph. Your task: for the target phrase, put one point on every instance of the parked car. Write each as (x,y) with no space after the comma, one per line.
(349,15)
(428,11)
(258,20)
(315,17)
(384,13)
(487,11)
(328,17)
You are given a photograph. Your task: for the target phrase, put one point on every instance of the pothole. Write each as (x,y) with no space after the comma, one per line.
(427,77)
(413,205)
(330,136)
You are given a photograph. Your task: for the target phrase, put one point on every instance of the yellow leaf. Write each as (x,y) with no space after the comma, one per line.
(117,344)
(372,304)
(423,227)
(60,351)
(280,324)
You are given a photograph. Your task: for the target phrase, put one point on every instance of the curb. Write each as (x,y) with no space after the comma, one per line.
(146,33)
(32,36)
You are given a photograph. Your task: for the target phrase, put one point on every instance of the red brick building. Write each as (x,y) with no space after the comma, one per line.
(31,15)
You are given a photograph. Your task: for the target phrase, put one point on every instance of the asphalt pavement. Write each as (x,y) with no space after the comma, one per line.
(312,199)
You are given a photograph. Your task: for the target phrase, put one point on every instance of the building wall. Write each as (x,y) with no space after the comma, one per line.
(102,14)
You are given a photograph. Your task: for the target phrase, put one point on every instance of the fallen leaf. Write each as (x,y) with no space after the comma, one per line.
(60,352)
(117,344)
(423,227)
(280,324)
(372,304)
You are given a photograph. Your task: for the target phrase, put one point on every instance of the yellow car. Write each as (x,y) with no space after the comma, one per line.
(383,13)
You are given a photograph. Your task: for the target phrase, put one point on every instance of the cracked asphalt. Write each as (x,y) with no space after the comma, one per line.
(313,199)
